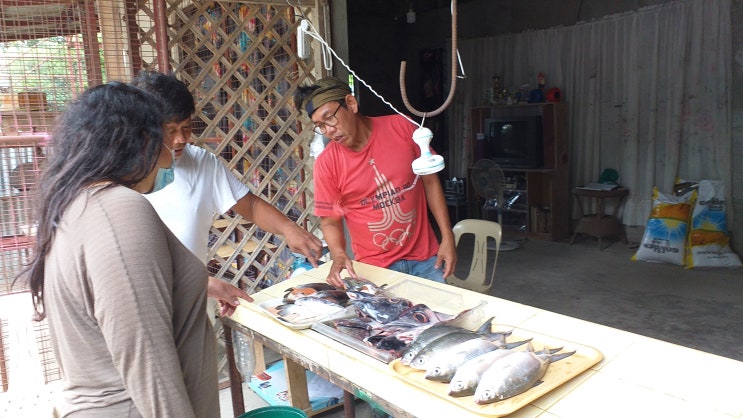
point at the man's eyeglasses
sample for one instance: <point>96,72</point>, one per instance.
<point>331,121</point>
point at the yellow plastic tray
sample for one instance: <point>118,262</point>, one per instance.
<point>557,374</point>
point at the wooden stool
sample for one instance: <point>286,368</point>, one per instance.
<point>600,224</point>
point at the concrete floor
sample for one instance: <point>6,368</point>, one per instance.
<point>697,308</point>
<point>700,309</point>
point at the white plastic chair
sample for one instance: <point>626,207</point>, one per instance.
<point>479,279</point>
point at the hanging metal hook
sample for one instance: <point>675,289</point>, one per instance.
<point>452,88</point>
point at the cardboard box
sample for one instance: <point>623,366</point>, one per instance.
<point>32,100</point>
<point>271,386</point>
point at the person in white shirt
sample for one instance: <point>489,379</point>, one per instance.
<point>202,186</point>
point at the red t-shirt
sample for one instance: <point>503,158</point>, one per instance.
<point>383,203</point>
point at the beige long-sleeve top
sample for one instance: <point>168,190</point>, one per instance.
<point>125,301</point>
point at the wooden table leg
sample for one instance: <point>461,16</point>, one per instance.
<point>580,218</point>
<point>296,380</point>
<point>236,383</point>
<point>349,404</point>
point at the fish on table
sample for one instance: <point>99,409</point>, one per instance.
<point>358,284</point>
<point>422,360</point>
<point>358,328</point>
<point>381,308</point>
<point>306,289</point>
<point>514,374</point>
<point>391,336</point>
<point>306,309</point>
<point>433,332</point>
<point>466,378</point>
<point>443,365</point>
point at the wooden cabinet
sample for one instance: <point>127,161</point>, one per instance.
<point>536,199</point>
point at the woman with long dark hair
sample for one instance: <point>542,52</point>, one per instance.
<point>125,300</point>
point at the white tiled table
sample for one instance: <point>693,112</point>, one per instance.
<point>637,377</point>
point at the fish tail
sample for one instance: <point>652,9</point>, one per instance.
<point>485,327</point>
<point>516,344</point>
<point>560,356</point>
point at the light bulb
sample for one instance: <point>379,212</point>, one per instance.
<point>427,163</point>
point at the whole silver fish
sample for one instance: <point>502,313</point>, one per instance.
<point>432,333</point>
<point>465,380</point>
<point>443,365</point>
<point>422,360</point>
<point>468,375</point>
<point>514,374</point>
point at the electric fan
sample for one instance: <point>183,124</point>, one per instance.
<point>489,182</point>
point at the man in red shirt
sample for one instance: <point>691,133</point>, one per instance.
<point>364,177</point>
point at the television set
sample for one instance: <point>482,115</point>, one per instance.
<point>515,142</point>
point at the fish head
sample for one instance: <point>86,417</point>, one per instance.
<point>293,294</point>
<point>440,372</point>
<point>417,315</point>
<point>420,361</point>
<point>485,394</point>
<point>462,385</point>
<point>359,284</point>
<point>407,357</point>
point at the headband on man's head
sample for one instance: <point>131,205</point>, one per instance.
<point>330,89</point>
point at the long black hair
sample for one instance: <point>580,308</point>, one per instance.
<point>111,133</point>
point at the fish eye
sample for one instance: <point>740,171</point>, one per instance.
<point>420,317</point>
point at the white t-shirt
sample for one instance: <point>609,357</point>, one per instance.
<point>202,187</point>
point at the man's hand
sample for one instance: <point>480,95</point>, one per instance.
<point>340,262</point>
<point>301,241</point>
<point>447,255</point>
<point>226,294</point>
<point>269,219</point>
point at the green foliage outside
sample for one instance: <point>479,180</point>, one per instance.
<point>55,66</point>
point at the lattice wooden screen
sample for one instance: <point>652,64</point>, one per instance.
<point>239,59</point>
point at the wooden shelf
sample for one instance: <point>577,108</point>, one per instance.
<point>224,223</point>
<point>546,190</point>
<point>226,250</point>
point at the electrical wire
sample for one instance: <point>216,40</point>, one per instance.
<point>325,47</point>
<point>328,53</point>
